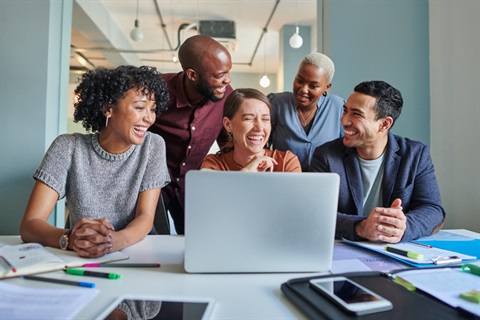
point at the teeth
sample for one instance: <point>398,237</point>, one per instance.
<point>142,129</point>
<point>257,138</point>
<point>351,133</point>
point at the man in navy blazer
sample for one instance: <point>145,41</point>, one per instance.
<point>388,189</point>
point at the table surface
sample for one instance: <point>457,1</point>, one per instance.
<point>237,296</point>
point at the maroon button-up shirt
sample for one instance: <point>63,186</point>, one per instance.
<point>188,133</point>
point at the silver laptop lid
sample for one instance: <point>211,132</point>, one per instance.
<point>259,221</point>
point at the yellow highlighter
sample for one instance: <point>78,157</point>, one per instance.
<point>404,283</point>
<point>472,295</point>
<point>406,253</point>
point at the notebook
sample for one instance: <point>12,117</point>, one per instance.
<point>246,222</point>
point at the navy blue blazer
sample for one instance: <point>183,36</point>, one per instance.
<point>408,175</point>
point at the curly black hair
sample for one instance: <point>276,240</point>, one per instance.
<point>102,88</point>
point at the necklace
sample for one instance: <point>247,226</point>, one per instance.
<point>307,119</point>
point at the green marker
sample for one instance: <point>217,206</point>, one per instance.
<point>78,272</point>
<point>472,268</point>
<point>409,254</point>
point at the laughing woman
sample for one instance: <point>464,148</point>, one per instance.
<point>112,177</point>
<point>307,117</point>
<point>246,120</point>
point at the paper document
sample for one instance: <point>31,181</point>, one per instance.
<point>349,259</point>
<point>445,284</point>
<point>50,304</point>
<point>429,254</point>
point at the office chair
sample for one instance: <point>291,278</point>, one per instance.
<point>161,222</point>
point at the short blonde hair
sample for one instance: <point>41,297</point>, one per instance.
<point>320,60</point>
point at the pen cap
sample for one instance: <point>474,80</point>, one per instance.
<point>472,268</point>
<point>414,255</point>
<point>86,284</point>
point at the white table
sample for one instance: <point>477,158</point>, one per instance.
<point>238,296</point>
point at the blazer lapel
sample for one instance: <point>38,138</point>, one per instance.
<point>354,179</point>
<point>391,163</point>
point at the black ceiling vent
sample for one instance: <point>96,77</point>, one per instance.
<point>217,28</point>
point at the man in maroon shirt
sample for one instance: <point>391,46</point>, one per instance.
<point>193,119</point>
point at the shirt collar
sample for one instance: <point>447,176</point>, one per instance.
<point>182,101</point>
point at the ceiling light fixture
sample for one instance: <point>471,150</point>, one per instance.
<point>296,40</point>
<point>264,81</point>
<point>137,34</point>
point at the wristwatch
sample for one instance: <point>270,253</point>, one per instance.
<point>65,239</point>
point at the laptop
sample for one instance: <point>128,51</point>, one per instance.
<point>255,222</point>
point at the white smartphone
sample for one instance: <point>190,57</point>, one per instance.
<point>351,296</point>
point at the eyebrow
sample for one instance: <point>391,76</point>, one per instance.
<point>253,114</point>
<point>359,110</point>
<point>300,77</point>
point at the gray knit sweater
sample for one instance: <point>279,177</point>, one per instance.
<point>98,184</point>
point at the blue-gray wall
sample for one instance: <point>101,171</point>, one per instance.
<point>292,57</point>
<point>33,86</point>
<point>384,40</point>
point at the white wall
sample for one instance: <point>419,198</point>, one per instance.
<point>455,108</point>
<point>252,80</point>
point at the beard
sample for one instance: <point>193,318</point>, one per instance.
<point>205,90</point>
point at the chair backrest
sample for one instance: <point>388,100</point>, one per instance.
<point>161,222</point>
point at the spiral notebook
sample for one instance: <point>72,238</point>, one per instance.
<point>31,258</point>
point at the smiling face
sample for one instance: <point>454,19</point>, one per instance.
<point>250,127</point>
<point>128,121</point>
<point>361,129</point>
<point>309,85</point>
<point>215,76</point>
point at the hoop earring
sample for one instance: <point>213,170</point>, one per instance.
<point>325,93</point>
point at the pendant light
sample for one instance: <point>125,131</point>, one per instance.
<point>264,81</point>
<point>137,34</point>
<point>296,40</point>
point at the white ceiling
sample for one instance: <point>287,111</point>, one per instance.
<point>101,30</point>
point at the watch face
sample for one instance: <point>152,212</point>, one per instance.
<point>64,242</point>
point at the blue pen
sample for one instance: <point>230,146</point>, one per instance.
<point>60,281</point>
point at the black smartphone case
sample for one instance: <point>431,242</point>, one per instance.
<point>406,304</point>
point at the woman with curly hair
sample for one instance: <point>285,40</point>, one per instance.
<point>111,177</point>
<point>246,120</point>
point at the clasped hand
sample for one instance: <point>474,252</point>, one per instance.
<point>92,238</point>
<point>260,164</point>
<point>384,224</point>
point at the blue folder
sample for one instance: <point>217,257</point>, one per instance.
<point>470,247</point>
